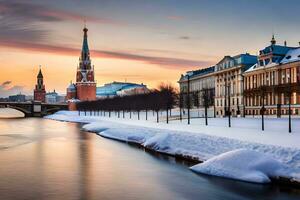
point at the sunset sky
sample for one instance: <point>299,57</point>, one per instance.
<point>143,41</point>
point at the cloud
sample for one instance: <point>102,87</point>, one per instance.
<point>23,20</point>
<point>184,37</point>
<point>31,12</point>
<point>165,62</point>
<point>7,89</point>
<point>21,28</point>
<point>14,30</point>
<point>5,83</point>
<point>175,17</point>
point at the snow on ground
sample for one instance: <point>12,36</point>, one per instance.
<point>243,164</point>
<point>199,141</point>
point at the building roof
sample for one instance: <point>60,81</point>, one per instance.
<point>72,87</point>
<point>239,59</point>
<point>197,73</point>
<point>257,67</point>
<point>52,93</point>
<point>111,89</point>
<point>292,55</point>
<point>245,60</point>
<point>275,49</point>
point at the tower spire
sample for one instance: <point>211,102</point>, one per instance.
<point>85,47</point>
<point>85,71</point>
<point>40,74</point>
<point>273,41</point>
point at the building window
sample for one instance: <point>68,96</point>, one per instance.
<point>288,57</point>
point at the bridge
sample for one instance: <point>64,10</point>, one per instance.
<point>34,108</point>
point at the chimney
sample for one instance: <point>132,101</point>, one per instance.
<point>285,43</point>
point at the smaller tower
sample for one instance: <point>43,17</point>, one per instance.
<point>71,91</point>
<point>39,91</point>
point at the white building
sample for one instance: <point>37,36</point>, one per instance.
<point>54,97</point>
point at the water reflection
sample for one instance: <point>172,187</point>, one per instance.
<point>10,113</point>
<point>85,153</point>
<point>59,161</point>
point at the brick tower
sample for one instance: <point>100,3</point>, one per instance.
<point>39,91</point>
<point>85,83</point>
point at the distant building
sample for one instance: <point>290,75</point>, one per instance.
<point>39,91</point>
<point>272,81</point>
<point>202,82</point>
<point>51,97</point>
<point>29,98</point>
<point>4,99</point>
<point>120,89</point>
<point>229,83</point>
<point>54,97</point>
<point>17,98</point>
<point>85,87</point>
<point>61,98</point>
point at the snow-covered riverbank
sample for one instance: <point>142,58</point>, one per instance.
<point>203,143</point>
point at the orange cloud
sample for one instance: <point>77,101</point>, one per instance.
<point>165,62</point>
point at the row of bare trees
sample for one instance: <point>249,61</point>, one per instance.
<point>164,98</point>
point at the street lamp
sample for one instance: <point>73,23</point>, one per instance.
<point>290,99</point>
<point>229,111</point>
<point>205,98</point>
<point>262,111</point>
<point>188,97</point>
<point>180,105</point>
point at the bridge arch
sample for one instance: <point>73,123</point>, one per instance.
<point>34,109</point>
<point>22,110</point>
<point>52,110</point>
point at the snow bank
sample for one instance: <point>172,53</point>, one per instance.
<point>243,164</point>
<point>199,146</point>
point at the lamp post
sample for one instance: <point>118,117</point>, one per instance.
<point>290,98</point>
<point>263,108</point>
<point>229,111</point>
<point>180,105</point>
<point>206,104</point>
<point>188,98</point>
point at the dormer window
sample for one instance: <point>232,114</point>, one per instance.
<point>261,62</point>
<point>267,61</point>
<point>288,57</point>
<point>298,56</point>
<point>274,59</point>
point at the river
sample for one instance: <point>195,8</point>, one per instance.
<point>44,159</point>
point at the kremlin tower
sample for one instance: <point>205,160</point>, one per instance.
<point>39,91</point>
<point>85,87</point>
